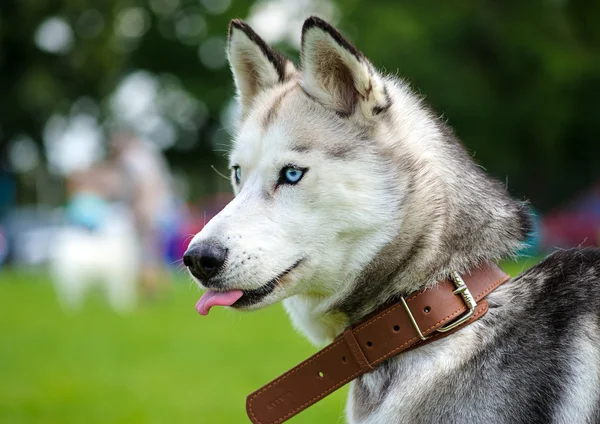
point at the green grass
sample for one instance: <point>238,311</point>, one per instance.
<point>161,364</point>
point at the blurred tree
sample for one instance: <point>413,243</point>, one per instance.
<point>53,54</point>
<point>518,81</point>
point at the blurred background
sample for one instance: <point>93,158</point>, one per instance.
<point>115,120</point>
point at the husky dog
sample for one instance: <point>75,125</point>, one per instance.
<point>350,193</point>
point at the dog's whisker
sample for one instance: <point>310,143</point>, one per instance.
<point>219,173</point>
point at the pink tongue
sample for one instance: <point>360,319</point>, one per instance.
<point>211,298</point>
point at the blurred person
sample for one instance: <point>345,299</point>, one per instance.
<point>98,244</point>
<point>148,192</point>
<point>89,193</point>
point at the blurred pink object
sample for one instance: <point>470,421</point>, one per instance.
<point>577,224</point>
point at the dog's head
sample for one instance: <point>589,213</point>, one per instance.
<point>316,196</point>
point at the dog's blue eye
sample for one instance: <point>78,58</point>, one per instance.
<point>238,174</point>
<point>291,175</point>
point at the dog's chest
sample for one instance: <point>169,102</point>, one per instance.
<point>396,391</point>
<point>469,377</point>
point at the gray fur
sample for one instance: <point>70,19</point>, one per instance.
<point>478,222</point>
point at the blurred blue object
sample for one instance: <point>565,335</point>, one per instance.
<point>87,210</point>
<point>29,232</point>
<point>8,193</point>
<point>534,238</point>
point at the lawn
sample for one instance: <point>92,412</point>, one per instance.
<point>161,364</point>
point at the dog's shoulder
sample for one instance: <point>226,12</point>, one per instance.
<point>580,264</point>
<point>567,280</point>
<point>571,260</point>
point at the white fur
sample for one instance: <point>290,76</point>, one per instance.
<point>584,378</point>
<point>278,227</point>
<point>339,216</point>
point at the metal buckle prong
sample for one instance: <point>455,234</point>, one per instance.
<point>467,297</point>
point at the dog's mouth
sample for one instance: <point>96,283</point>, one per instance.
<point>240,298</point>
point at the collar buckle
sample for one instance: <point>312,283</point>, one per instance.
<point>462,290</point>
<point>467,297</point>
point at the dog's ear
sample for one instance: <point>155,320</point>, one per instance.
<point>337,74</point>
<point>255,65</point>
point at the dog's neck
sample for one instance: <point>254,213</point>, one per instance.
<point>454,224</point>
<point>455,218</point>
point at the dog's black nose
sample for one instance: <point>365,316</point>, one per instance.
<point>205,259</point>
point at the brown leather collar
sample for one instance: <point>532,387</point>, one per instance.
<point>413,321</point>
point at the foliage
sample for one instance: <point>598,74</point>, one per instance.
<point>518,81</point>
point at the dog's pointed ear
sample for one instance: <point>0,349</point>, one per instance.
<point>337,74</point>
<point>255,65</point>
